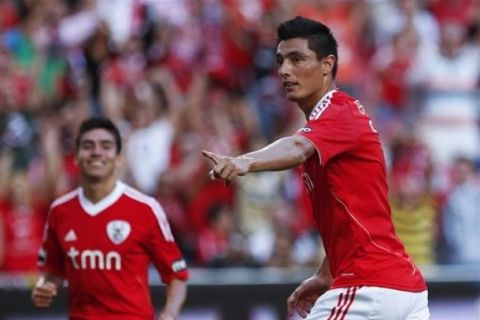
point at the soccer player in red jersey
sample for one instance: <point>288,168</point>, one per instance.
<point>366,273</point>
<point>102,236</point>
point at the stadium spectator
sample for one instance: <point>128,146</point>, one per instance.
<point>102,236</point>
<point>449,104</point>
<point>21,221</point>
<point>414,206</point>
<point>63,61</point>
<point>220,244</point>
<point>388,89</point>
<point>461,215</point>
<point>402,14</point>
<point>344,171</point>
<point>414,217</point>
<point>154,113</point>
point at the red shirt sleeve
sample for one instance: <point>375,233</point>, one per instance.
<point>50,257</point>
<point>333,133</point>
<point>163,250</point>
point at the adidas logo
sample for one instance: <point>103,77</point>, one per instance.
<point>70,236</point>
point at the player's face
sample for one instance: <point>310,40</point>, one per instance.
<point>302,74</point>
<point>97,155</point>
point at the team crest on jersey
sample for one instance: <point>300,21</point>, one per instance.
<point>118,230</point>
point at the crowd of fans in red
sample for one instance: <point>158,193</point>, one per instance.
<point>181,76</point>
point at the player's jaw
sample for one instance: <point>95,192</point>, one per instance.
<point>302,92</point>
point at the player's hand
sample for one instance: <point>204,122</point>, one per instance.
<point>305,295</point>
<point>43,294</point>
<point>226,168</point>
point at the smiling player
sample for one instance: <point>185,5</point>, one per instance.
<point>102,236</point>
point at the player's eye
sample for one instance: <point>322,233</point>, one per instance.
<point>297,59</point>
<point>87,145</point>
<point>107,145</point>
<point>279,60</point>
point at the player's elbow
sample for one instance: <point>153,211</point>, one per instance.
<point>303,149</point>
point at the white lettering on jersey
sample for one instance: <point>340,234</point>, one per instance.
<point>113,256</point>
<point>118,230</point>
<point>305,129</point>
<point>95,259</point>
<point>308,181</point>
<point>73,253</point>
<point>360,107</point>
<point>70,236</point>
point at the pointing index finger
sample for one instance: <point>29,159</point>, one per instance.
<point>210,155</point>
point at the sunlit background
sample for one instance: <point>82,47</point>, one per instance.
<point>179,76</point>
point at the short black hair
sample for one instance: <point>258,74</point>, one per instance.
<point>320,38</point>
<point>99,123</point>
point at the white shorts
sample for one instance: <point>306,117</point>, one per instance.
<point>375,303</point>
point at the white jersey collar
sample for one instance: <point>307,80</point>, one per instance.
<point>95,208</point>
<point>321,105</point>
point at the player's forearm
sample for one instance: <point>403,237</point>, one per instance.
<point>324,271</point>
<point>176,294</point>
<point>282,154</point>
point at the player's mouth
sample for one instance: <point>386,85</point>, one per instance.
<point>290,85</point>
<point>95,164</point>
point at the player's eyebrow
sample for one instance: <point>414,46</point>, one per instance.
<point>102,142</point>
<point>106,141</point>
<point>291,54</point>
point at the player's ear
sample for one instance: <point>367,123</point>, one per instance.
<point>328,63</point>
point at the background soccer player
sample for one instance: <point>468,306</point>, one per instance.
<point>102,236</point>
<point>366,273</point>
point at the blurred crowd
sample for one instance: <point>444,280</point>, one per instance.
<point>179,76</point>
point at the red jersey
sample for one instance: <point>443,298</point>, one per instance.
<point>346,180</point>
<point>22,236</point>
<point>104,250</point>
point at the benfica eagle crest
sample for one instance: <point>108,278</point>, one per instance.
<point>118,230</point>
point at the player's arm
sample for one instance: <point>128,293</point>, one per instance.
<point>305,295</point>
<point>282,154</point>
<point>176,294</point>
<point>324,273</point>
<point>45,289</point>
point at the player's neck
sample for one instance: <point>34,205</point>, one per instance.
<point>308,104</point>
<point>97,190</point>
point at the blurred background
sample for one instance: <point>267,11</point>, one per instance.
<point>179,76</point>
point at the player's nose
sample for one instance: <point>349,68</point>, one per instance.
<point>285,70</point>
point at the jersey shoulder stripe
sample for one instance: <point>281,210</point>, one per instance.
<point>156,209</point>
<point>65,198</point>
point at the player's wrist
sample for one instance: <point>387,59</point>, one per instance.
<point>167,315</point>
<point>247,164</point>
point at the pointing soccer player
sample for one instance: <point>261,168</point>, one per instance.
<point>366,273</point>
<point>102,237</point>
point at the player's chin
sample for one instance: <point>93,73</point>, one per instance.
<point>292,96</point>
<point>94,175</point>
